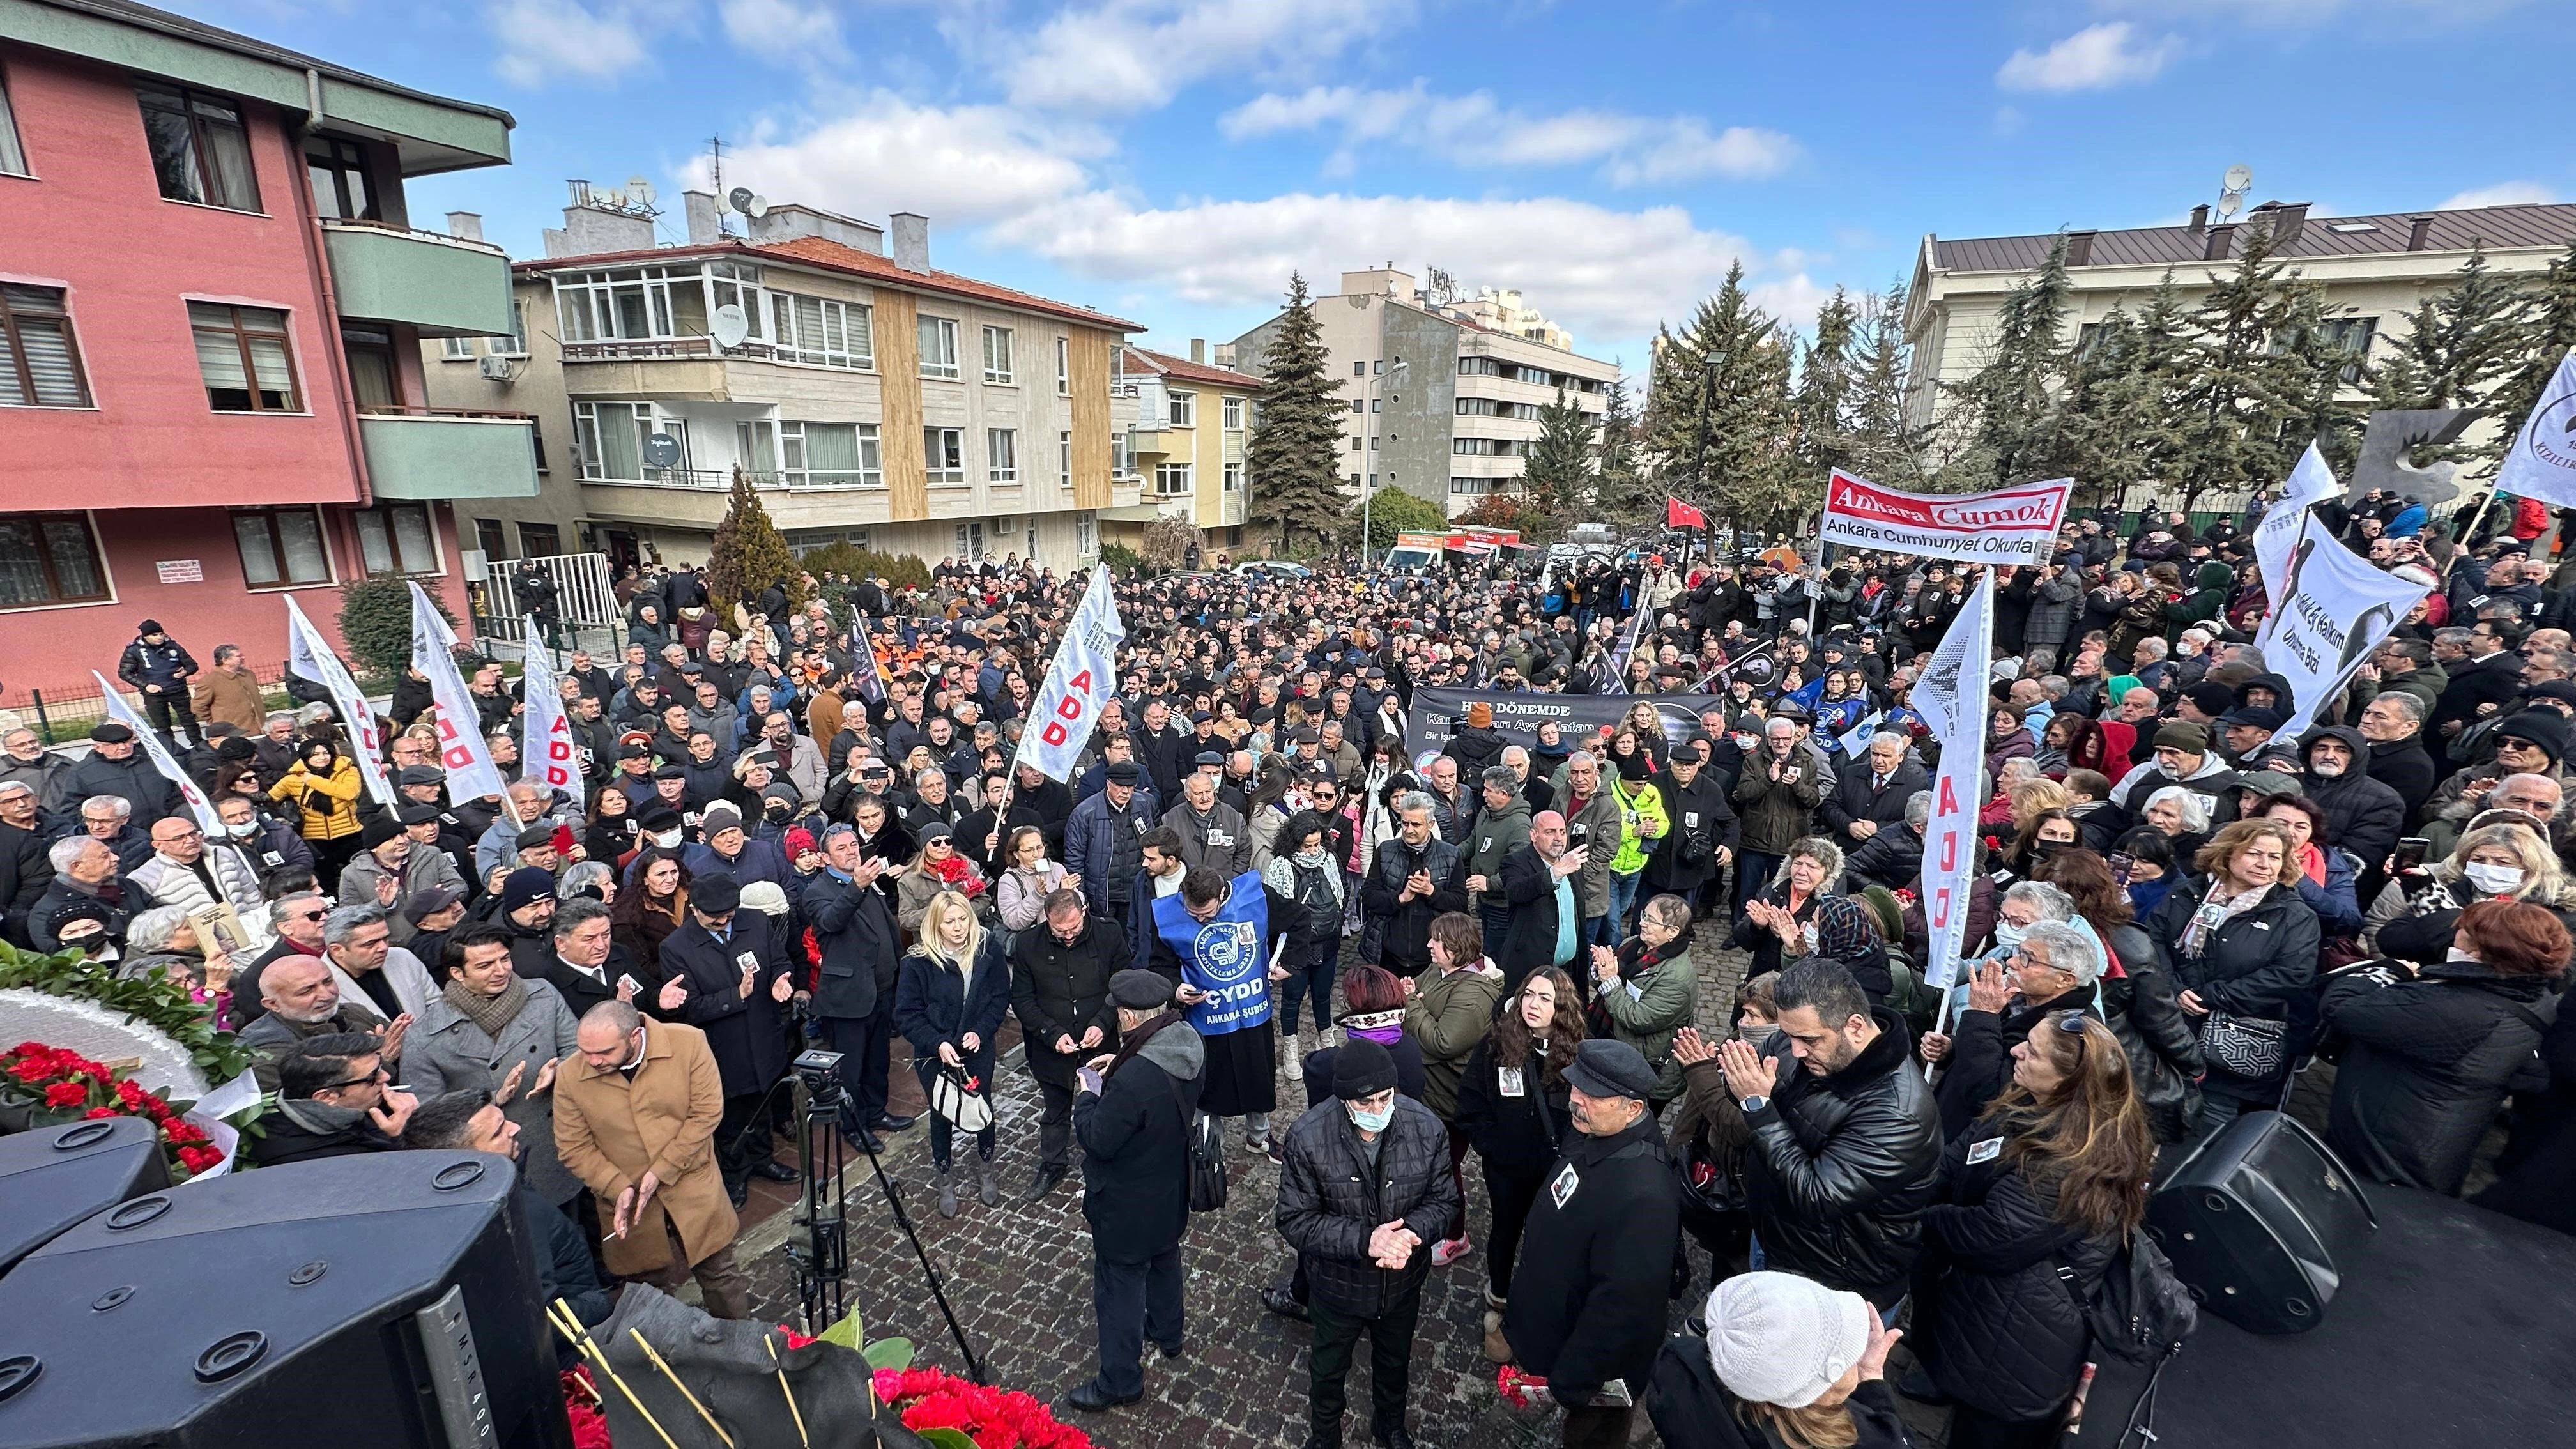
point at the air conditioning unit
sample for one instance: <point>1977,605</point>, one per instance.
<point>1002,524</point>
<point>494,369</point>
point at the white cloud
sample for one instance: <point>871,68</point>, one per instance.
<point>2503,193</point>
<point>2096,58</point>
<point>968,163</point>
<point>783,28</point>
<point>1128,55</point>
<point>1476,130</point>
<point>547,40</point>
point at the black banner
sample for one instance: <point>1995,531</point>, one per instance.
<point>1437,713</point>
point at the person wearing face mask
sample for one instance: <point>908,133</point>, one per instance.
<point>2052,968</point>
<point>1363,1190</point>
<point>2501,858</point>
<point>273,850</point>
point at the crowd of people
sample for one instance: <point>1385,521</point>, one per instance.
<point>1266,890</point>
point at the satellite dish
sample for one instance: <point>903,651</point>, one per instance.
<point>740,199</point>
<point>617,196</point>
<point>2228,202</point>
<point>640,189</point>
<point>2239,177</point>
<point>661,450</point>
<point>756,208</point>
<point>730,326</point>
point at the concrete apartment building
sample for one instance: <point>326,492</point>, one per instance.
<point>2375,269</point>
<point>1184,444</point>
<point>1457,420</point>
<point>211,306</point>
<point>871,398</point>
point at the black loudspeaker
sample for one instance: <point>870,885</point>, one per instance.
<point>53,1177</point>
<point>385,1299</point>
<point>2262,1224</point>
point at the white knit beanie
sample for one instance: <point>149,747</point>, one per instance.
<point>1777,1338</point>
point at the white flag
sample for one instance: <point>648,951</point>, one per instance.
<point>1083,677</point>
<point>471,775</point>
<point>309,656</point>
<point>1951,697</point>
<point>2277,535</point>
<point>548,753</point>
<point>2542,463</point>
<point>2335,608</point>
<point>159,754</point>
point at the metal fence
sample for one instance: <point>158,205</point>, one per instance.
<point>63,710</point>
<point>585,591</point>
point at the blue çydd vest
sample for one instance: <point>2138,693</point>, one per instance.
<point>1224,956</point>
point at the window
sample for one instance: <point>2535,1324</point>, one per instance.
<point>516,345</point>
<point>48,558</point>
<point>39,361</point>
<point>970,540</point>
<point>281,547</point>
<point>1471,485</point>
<point>1122,455</point>
<point>539,540</point>
<point>537,442</point>
<point>1234,415</point>
<point>13,157</point>
<point>1064,367</point>
<point>370,354</point>
<point>396,538</point>
<point>610,438</point>
<point>1356,443</point>
<point>1479,367</point>
<point>2350,336</point>
<point>1489,447</point>
<point>755,446</point>
<point>943,453</point>
<point>829,455</point>
<point>997,354</point>
<point>1171,478</point>
<point>1086,533</point>
<point>1001,455</point>
<point>338,170</point>
<point>488,535</point>
<point>242,354</point>
<point>200,152</point>
<point>654,302</point>
<point>938,347</point>
<point>456,349</point>
<point>1359,405</point>
<point>821,331</point>
<point>1182,408</point>
<point>1234,477</point>
<point>1064,459</point>
<point>1360,368</point>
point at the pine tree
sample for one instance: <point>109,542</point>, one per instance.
<point>1882,447</point>
<point>2464,346</point>
<point>1558,477</point>
<point>2245,409</point>
<point>1626,497</point>
<point>2013,395</point>
<point>1746,469</point>
<point>749,555</point>
<point>2546,340</point>
<point>1292,463</point>
<point>2115,429</point>
<point>1826,391</point>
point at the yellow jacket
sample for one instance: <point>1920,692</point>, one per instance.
<point>329,803</point>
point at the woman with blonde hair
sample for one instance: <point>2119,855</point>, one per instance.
<point>2242,946</point>
<point>948,1002</point>
<point>2418,910</point>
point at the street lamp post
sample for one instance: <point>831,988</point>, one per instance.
<point>1708,370</point>
<point>1368,458</point>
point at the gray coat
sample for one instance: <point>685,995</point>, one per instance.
<point>446,1052</point>
<point>424,867</point>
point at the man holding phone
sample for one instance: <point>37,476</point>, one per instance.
<point>1592,824</point>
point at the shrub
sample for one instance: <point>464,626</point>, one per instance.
<point>845,558</point>
<point>375,620</point>
<point>1121,558</point>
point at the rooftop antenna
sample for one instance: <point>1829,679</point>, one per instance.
<point>715,150</point>
<point>2231,197</point>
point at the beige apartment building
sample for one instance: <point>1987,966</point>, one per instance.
<point>2374,269</point>
<point>871,398</point>
<point>1442,404</point>
<point>1184,423</point>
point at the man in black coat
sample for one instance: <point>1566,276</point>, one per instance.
<point>1546,927</point>
<point>1587,1308</point>
<point>1893,857</point>
<point>1060,975</point>
<point>1870,794</point>
<point>25,872</point>
<point>2393,724</point>
<point>1846,1146</point>
<point>735,986</point>
<point>1133,1115</point>
<point>2486,673</point>
<point>1703,829</point>
<point>116,766</point>
<point>588,965</point>
<point>332,1101</point>
<point>2363,816</point>
<point>862,956</point>
<point>1364,1190</point>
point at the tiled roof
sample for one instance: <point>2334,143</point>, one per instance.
<point>1188,371</point>
<point>833,256</point>
<point>2494,228</point>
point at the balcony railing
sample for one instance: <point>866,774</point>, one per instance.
<point>720,480</point>
<point>450,453</point>
<point>651,349</point>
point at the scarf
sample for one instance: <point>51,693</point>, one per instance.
<point>349,1017</point>
<point>1171,1016</point>
<point>1385,1028</point>
<point>491,1015</point>
<point>2216,911</point>
<point>2313,861</point>
<point>323,1119</point>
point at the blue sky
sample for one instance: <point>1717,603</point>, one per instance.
<point>1172,160</point>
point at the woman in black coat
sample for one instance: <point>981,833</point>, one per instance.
<point>2165,1063</point>
<point>948,1002</point>
<point>2053,970</point>
<point>2055,1175</point>
<point>1515,1108</point>
<point>2430,1051</point>
<point>2236,938</point>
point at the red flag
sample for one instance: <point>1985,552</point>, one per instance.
<point>1678,514</point>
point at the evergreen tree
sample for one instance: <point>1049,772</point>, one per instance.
<point>1558,477</point>
<point>1827,390</point>
<point>1292,463</point>
<point>2246,407</point>
<point>1733,354</point>
<point>2464,345</point>
<point>1882,448</point>
<point>1624,495</point>
<point>2547,337</point>
<point>749,555</point>
<point>2012,397</point>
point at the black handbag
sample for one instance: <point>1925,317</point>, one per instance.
<point>1206,1156</point>
<point>2252,1047</point>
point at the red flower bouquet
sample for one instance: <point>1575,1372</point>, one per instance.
<point>66,1086</point>
<point>991,1418</point>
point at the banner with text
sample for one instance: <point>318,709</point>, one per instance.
<point>159,754</point>
<point>1083,677</point>
<point>2542,463</point>
<point>471,775</point>
<point>547,751</point>
<point>2008,526</point>
<point>2334,610</point>
<point>1437,713</point>
<point>1951,696</point>
<point>2277,536</point>
<point>309,656</point>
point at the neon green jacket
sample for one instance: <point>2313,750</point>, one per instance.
<point>1640,805</point>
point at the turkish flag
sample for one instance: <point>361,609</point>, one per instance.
<point>1678,514</point>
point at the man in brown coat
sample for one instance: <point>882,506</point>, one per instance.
<point>230,692</point>
<point>635,1118</point>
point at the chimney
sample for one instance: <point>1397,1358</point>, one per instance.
<point>706,216</point>
<point>2219,237</point>
<point>2419,233</point>
<point>2288,219</point>
<point>1198,350</point>
<point>590,229</point>
<point>466,224</point>
<point>558,242</point>
<point>2199,219</point>
<point>788,220</point>
<point>911,241</point>
<point>2079,248</point>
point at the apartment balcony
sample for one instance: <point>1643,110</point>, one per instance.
<point>423,454</point>
<point>445,286</point>
<point>689,369</point>
<point>1154,442</point>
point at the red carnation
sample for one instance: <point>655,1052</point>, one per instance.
<point>96,1112</point>
<point>66,1094</point>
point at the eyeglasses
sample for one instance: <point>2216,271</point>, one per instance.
<point>378,1075</point>
<point>308,915</point>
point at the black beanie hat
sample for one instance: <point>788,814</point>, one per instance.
<point>380,830</point>
<point>1362,1068</point>
<point>2542,727</point>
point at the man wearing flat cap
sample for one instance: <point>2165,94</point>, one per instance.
<point>1131,1112</point>
<point>1587,1305</point>
<point>736,988</point>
